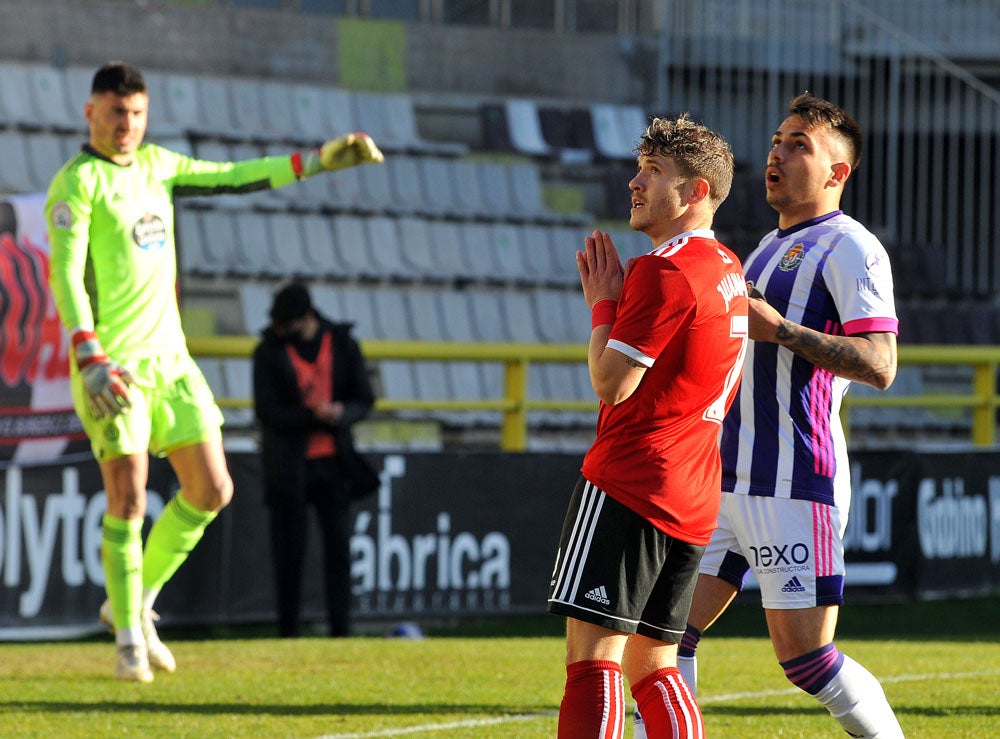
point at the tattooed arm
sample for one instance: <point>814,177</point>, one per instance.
<point>869,358</point>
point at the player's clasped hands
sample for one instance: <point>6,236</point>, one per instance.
<point>601,270</point>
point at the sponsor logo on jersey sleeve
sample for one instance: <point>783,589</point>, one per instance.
<point>61,216</point>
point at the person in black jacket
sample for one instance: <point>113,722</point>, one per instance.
<point>310,385</point>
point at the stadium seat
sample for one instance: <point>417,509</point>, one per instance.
<point>377,188</point>
<point>318,247</point>
<point>279,112</point>
<point>328,300</point>
<point>564,243</point>
<point>16,97</point>
<point>610,138</point>
<point>398,382</point>
<point>51,99</point>
<point>539,255</point>
<point>308,113</point>
<point>404,176</point>
<point>495,129</point>
<point>219,240</point>
<point>255,304</point>
<point>254,246</point>
<point>47,153</point>
<point>215,108</point>
<point>401,128</point>
<point>385,248</point>
<point>519,313</point>
<point>159,125</point>
<point>456,314</point>
<point>355,258</point>
<point>392,317</point>
<point>477,246</point>
<point>435,182</point>
<point>560,132</point>
<point>424,307</point>
<point>507,252</point>
<point>16,174</point>
<point>496,191</point>
<point>467,190</point>
<point>445,239</point>
<point>526,192</point>
<point>246,105</point>
<point>191,256</point>
<point>562,315</point>
<point>634,123</point>
<point>370,116</point>
<point>358,309</point>
<point>488,319</point>
<point>418,252</point>
<point>524,128</point>
<point>181,104</point>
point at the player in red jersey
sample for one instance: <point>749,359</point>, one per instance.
<point>669,333</point>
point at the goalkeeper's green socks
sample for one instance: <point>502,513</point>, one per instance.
<point>175,533</point>
<point>121,553</point>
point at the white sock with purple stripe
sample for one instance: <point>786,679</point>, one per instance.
<point>849,692</point>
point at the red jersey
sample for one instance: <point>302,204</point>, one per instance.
<point>683,314</point>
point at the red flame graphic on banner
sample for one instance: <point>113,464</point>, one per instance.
<point>31,336</point>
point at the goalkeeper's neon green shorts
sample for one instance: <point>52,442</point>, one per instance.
<point>172,407</point>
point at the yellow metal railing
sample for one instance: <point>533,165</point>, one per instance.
<point>982,399</point>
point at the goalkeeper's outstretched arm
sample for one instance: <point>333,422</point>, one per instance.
<point>339,153</point>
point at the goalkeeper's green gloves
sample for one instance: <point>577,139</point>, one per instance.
<point>339,153</point>
<point>106,381</point>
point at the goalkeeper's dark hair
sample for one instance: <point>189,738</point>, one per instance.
<point>816,111</point>
<point>697,150</point>
<point>118,77</point>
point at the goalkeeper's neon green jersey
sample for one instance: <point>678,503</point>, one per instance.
<point>113,261</point>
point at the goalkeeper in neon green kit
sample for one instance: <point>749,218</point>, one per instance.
<point>135,387</point>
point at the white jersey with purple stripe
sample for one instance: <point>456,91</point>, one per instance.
<point>782,436</point>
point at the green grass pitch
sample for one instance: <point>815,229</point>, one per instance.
<point>939,663</point>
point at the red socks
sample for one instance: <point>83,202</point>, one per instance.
<point>668,707</point>
<point>593,704</point>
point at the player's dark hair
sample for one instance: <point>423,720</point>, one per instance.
<point>118,77</point>
<point>816,111</point>
<point>697,151</point>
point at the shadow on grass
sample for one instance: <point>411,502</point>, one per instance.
<point>926,711</point>
<point>222,709</point>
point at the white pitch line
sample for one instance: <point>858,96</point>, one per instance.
<point>420,729</point>
<point>499,720</point>
<point>890,679</point>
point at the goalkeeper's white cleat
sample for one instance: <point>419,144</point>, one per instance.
<point>133,664</point>
<point>160,657</point>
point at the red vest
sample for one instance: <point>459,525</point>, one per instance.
<point>316,384</point>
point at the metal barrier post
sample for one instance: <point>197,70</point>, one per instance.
<point>514,433</point>
<point>984,413</point>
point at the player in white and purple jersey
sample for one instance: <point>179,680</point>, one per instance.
<point>823,317</point>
